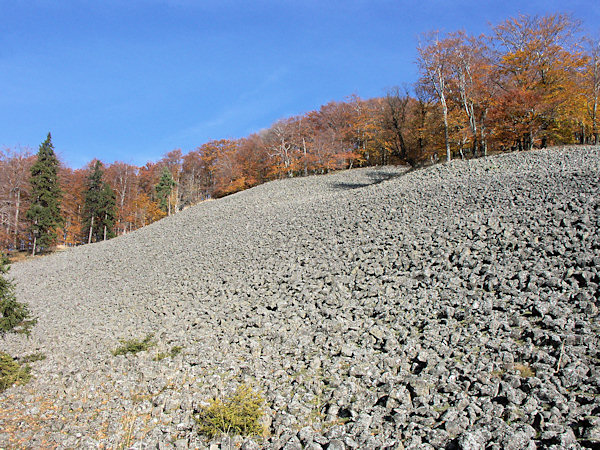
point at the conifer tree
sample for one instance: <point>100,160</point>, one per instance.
<point>44,213</point>
<point>108,212</point>
<point>99,211</point>
<point>14,316</point>
<point>163,190</point>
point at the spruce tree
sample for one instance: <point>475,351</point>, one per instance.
<point>14,316</point>
<point>108,211</point>
<point>163,190</point>
<point>44,212</point>
<point>99,211</point>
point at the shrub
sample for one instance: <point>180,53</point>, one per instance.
<point>11,372</point>
<point>134,345</point>
<point>238,414</point>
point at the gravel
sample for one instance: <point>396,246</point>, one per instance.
<point>454,306</point>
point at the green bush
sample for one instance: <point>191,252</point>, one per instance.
<point>134,345</point>
<point>11,372</point>
<point>238,414</point>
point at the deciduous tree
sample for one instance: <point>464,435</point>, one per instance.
<point>539,60</point>
<point>434,61</point>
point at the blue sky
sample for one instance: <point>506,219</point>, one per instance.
<point>131,80</point>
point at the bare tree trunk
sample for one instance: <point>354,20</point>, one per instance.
<point>176,204</point>
<point>594,119</point>
<point>305,161</point>
<point>482,131</point>
<point>17,208</point>
<point>91,228</point>
<point>34,244</point>
<point>446,134</point>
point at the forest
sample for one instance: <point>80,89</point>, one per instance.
<point>530,82</point>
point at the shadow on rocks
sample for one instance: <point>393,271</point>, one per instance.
<point>374,177</point>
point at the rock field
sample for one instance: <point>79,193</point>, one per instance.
<point>454,306</point>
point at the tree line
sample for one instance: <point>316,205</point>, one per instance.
<point>532,81</point>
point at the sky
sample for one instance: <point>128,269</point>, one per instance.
<point>130,80</point>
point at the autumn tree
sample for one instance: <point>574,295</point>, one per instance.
<point>15,169</point>
<point>538,61</point>
<point>123,179</point>
<point>283,151</point>
<point>362,128</point>
<point>471,84</point>
<point>423,123</point>
<point>44,212</point>
<point>99,208</point>
<point>591,89</point>
<point>145,211</point>
<point>72,185</point>
<point>233,167</point>
<point>395,120</point>
<point>434,62</point>
<point>192,176</point>
<point>337,142</point>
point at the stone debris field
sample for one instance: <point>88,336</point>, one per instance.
<point>449,307</point>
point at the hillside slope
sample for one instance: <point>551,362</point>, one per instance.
<point>454,306</point>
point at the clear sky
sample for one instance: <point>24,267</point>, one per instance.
<point>130,80</point>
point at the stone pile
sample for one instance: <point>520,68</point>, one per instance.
<point>454,306</point>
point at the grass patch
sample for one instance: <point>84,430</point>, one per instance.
<point>498,373</point>
<point>238,414</point>
<point>175,350</point>
<point>524,370</point>
<point>11,372</point>
<point>134,345</point>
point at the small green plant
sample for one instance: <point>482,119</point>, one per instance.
<point>238,414</point>
<point>175,350</point>
<point>134,345</point>
<point>11,372</point>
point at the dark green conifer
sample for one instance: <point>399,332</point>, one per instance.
<point>163,190</point>
<point>14,316</point>
<point>44,213</point>
<point>99,212</point>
